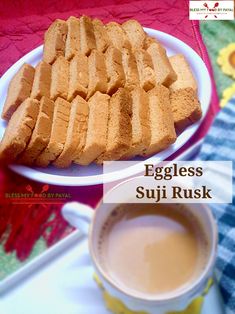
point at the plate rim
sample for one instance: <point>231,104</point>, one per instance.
<point>60,180</point>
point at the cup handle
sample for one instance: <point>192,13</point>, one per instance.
<point>78,215</point>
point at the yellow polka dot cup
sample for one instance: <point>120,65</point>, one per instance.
<point>90,222</point>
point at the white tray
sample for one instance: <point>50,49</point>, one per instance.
<point>60,281</point>
<point>92,174</point>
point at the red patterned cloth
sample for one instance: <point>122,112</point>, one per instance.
<point>22,26</point>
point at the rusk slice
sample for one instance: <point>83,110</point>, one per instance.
<point>19,130</point>
<point>78,76</point>
<point>117,36</point>
<point>186,107</point>
<point>82,130</point>
<point>145,69</point>
<point>149,41</point>
<point>87,35</point>
<point>41,133</point>
<point>97,73</point>
<point>164,72</point>
<point>101,36</point>
<point>60,78</point>
<point>54,41</point>
<point>185,76</point>
<point>184,101</point>
<point>140,122</point>
<point>130,69</point>
<point>119,126</point>
<point>135,33</point>
<point>72,45</point>
<point>42,81</point>
<point>161,120</point>
<point>115,72</point>
<point>59,128</point>
<point>19,89</point>
<point>96,138</point>
<point>76,128</point>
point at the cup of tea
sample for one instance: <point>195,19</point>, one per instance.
<point>155,258</point>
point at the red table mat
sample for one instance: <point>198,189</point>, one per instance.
<point>22,26</point>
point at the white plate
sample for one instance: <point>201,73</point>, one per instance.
<point>92,174</point>
<point>61,281</point>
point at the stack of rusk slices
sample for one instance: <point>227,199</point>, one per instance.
<point>101,92</point>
